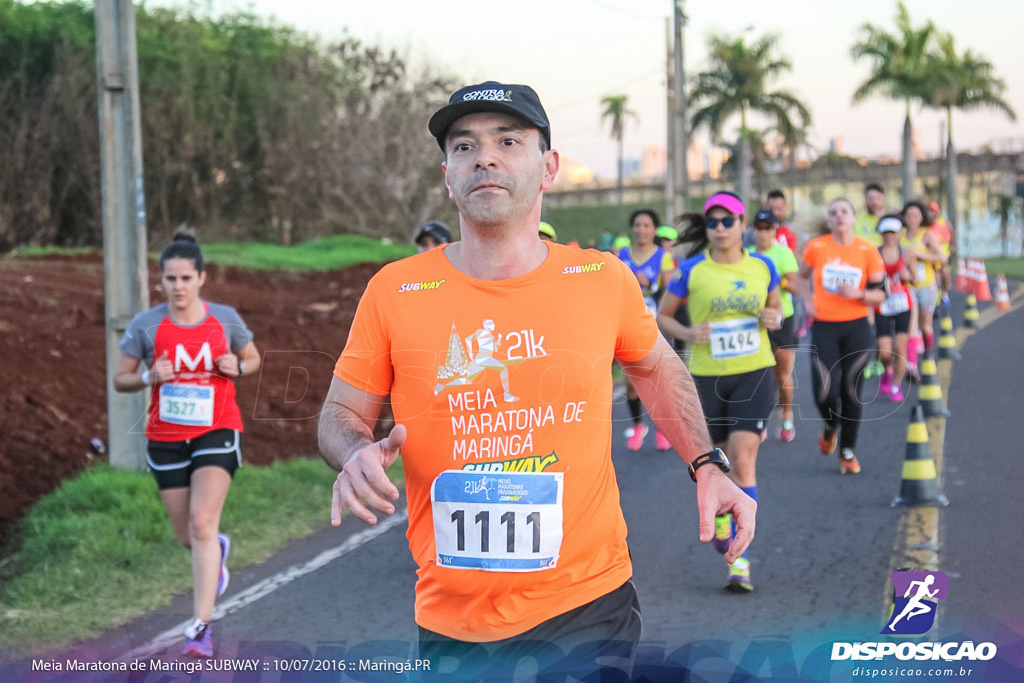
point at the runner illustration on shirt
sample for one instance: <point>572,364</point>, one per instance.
<point>461,371</point>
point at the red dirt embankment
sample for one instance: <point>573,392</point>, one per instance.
<point>53,391</point>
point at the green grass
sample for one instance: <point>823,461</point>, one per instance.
<point>50,251</point>
<point>1013,268</point>
<point>99,551</point>
<point>585,223</point>
<point>327,253</point>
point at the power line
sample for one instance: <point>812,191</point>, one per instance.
<point>591,99</point>
<point>622,10</point>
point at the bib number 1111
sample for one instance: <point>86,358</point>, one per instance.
<point>497,521</point>
<point>508,520</point>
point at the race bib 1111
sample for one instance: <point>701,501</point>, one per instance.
<point>500,522</point>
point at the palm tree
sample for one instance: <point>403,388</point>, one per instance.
<point>899,72</point>
<point>616,110</point>
<point>736,82</point>
<point>963,82</point>
<point>757,157</point>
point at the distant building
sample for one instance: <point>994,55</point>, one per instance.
<point>716,158</point>
<point>696,161</point>
<point>572,173</point>
<point>630,167</point>
<point>654,161</point>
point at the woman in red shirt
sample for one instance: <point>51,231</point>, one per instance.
<point>188,352</point>
<point>892,319</point>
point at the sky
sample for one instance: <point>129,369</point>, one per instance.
<point>574,52</point>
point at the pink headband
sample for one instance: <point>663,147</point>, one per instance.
<point>726,201</point>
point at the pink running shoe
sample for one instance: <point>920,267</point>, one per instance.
<point>885,384</point>
<point>787,431</point>
<point>896,394</point>
<point>661,442</point>
<point>636,441</point>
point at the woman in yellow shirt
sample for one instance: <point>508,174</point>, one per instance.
<point>732,296</point>
<point>928,253</point>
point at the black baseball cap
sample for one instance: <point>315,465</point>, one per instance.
<point>765,216</point>
<point>517,100</point>
<point>437,230</point>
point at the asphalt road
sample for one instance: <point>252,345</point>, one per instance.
<point>820,563</point>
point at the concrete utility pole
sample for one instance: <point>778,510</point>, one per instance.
<point>124,215</point>
<point>670,129</point>
<point>681,201</point>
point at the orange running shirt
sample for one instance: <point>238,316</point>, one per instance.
<point>506,390</point>
<point>835,264</point>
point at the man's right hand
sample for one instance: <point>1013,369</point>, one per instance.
<point>718,495</point>
<point>363,481</point>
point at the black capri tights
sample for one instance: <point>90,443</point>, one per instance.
<point>839,353</point>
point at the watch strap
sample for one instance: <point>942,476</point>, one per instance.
<point>712,457</point>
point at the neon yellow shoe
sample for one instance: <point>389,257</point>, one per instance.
<point>739,577</point>
<point>723,533</point>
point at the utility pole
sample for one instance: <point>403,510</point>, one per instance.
<point>126,281</point>
<point>670,127</point>
<point>681,200</point>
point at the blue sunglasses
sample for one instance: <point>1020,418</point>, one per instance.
<point>712,223</point>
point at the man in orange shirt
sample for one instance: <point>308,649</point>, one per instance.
<point>942,231</point>
<point>503,408</point>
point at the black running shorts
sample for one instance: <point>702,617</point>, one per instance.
<point>734,403</point>
<point>602,634</point>
<point>784,337</point>
<point>172,462</point>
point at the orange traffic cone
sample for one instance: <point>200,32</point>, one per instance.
<point>982,290</point>
<point>1002,293</point>
<point>963,283</point>
<point>920,485</point>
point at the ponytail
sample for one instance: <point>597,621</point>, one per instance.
<point>695,233</point>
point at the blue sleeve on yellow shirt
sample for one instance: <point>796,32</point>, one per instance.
<point>680,284</point>
<point>773,272</point>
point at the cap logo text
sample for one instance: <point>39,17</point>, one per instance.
<point>491,95</point>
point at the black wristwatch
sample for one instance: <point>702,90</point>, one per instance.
<point>715,457</point>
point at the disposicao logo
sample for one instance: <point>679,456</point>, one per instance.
<point>915,601</point>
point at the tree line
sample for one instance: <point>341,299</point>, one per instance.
<point>249,130</point>
<point>917,64</point>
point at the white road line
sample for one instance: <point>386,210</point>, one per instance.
<point>267,586</point>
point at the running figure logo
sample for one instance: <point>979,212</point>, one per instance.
<point>914,613</point>
<point>459,370</point>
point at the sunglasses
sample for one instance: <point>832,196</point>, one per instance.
<point>727,222</point>
<point>764,226</point>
